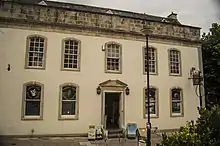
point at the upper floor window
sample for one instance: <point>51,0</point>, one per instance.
<point>113,58</point>
<point>69,101</point>
<point>71,54</point>
<point>176,102</point>
<point>153,102</point>
<point>152,60</point>
<point>32,101</point>
<point>35,53</point>
<point>174,62</point>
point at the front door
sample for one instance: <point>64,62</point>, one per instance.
<point>112,108</point>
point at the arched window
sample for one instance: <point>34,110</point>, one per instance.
<point>32,101</point>
<point>69,101</point>
<point>71,54</point>
<point>176,102</point>
<point>35,53</point>
<point>152,60</point>
<point>113,57</point>
<point>174,62</point>
<point>153,102</point>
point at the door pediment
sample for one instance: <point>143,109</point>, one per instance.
<point>113,83</point>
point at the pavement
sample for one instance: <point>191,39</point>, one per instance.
<point>65,141</point>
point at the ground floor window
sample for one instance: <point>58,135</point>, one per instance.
<point>153,102</point>
<point>69,101</point>
<point>176,102</point>
<point>32,101</point>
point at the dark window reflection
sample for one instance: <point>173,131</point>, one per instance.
<point>68,108</point>
<point>32,108</point>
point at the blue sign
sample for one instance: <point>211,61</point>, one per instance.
<point>131,130</point>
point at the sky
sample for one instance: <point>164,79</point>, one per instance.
<point>200,13</point>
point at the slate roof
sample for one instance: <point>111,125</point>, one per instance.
<point>86,8</point>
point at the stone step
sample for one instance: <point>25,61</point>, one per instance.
<point>116,135</point>
<point>113,131</point>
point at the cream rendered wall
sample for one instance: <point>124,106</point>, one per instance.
<point>13,49</point>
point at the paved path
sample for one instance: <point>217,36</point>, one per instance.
<point>68,141</point>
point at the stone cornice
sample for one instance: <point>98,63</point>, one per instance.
<point>44,15</point>
<point>95,32</point>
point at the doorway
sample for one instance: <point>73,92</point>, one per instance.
<point>112,110</point>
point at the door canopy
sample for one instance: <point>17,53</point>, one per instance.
<point>113,85</point>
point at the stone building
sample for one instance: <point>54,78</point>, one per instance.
<point>66,66</point>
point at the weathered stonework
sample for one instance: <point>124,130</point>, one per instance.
<point>17,13</point>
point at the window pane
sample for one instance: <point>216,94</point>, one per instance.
<point>113,64</point>
<point>30,63</point>
<point>71,52</point>
<point>76,43</point>
<point>70,66</point>
<point>70,47</point>
<point>113,57</point>
<point>68,107</point>
<point>41,49</point>
<point>75,56</point>
<point>152,101</point>
<point>65,60</point>
<point>152,93</point>
<point>71,61</point>
<point>33,92</point>
<point>32,108</point>
<point>152,60</point>
<point>66,50</point>
<point>174,61</point>
<point>66,56</point>
<point>75,61</point>
<point>70,42</point>
<point>176,107</point>
<point>69,93</point>
<point>152,108</point>
<point>74,65</point>
<point>41,44</point>
<point>36,51</point>
<point>176,95</point>
<point>65,65</point>
<point>31,48</point>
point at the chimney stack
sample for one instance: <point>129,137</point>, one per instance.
<point>172,16</point>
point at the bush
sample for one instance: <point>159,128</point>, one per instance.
<point>206,131</point>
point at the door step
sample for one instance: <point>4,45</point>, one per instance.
<point>115,133</point>
<point>116,136</point>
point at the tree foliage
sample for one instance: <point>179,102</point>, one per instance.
<point>204,132</point>
<point>211,63</point>
<point>186,136</point>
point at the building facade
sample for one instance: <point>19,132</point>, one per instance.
<point>65,66</point>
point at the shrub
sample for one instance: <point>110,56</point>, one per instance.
<point>206,131</point>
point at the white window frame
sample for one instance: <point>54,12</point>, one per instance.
<point>181,114</point>
<point>69,117</point>
<point>150,61</point>
<point>63,68</point>
<point>120,58</point>
<point>27,56</point>
<point>171,63</point>
<point>156,115</point>
<point>26,117</point>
